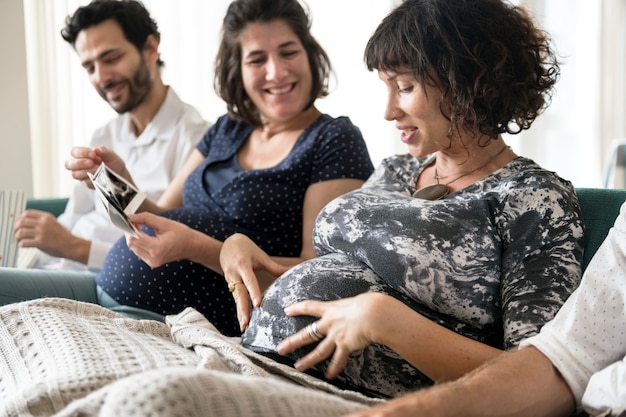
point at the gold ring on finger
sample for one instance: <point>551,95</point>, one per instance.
<point>232,285</point>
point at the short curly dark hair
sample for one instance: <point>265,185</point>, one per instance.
<point>228,82</point>
<point>495,68</point>
<point>131,15</point>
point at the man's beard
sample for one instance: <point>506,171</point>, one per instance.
<point>138,89</point>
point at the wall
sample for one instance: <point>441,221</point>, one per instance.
<point>15,165</point>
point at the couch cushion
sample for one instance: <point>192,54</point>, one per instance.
<point>600,208</point>
<point>55,206</point>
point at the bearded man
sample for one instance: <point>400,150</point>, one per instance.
<point>117,43</point>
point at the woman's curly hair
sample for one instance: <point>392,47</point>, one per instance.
<point>495,68</point>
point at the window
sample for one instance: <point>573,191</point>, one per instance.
<point>574,135</point>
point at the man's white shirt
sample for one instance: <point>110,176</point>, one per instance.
<point>153,158</point>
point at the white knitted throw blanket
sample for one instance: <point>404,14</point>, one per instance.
<point>65,358</point>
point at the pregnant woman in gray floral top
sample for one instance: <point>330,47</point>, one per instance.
<point>448,255</point>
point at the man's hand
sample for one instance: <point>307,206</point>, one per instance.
<point>87,160</point>
<point>40,229</point>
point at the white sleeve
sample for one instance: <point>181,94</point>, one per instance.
<point>606,392</point>
<point>81,202</point>
<point>97,254</point>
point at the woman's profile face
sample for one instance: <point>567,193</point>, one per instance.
<point>275,70</point>
<point>416,111</point>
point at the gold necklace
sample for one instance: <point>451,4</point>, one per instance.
<point>438,191</point>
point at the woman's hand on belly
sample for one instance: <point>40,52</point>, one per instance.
<point>345,325</point>
<point>350,324</point>
<point>248,271</point>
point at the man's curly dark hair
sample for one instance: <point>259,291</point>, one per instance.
<point>131,15</point>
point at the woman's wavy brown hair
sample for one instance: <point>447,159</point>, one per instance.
<point>228,82</point>
<point>495,68</point>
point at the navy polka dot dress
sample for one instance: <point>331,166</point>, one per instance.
<point>266,205</point>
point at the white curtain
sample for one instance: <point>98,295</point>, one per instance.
<point>61,111</point>
<point>571,137</point>
<point>613,72</point>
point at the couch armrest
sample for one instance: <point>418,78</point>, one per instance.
<point>27,284</point>
<point>55,206</point>
<point>600,207</point>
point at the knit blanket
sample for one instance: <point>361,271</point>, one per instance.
<point>66,358</point>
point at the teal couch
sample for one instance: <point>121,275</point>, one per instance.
<point>55,206</point>
<point>600,208</point>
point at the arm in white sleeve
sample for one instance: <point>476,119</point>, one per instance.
<point>81,202</point>
<point>606,393</point>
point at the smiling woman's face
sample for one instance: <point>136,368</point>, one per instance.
<point>415,109</point>
<point>275,69</point>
